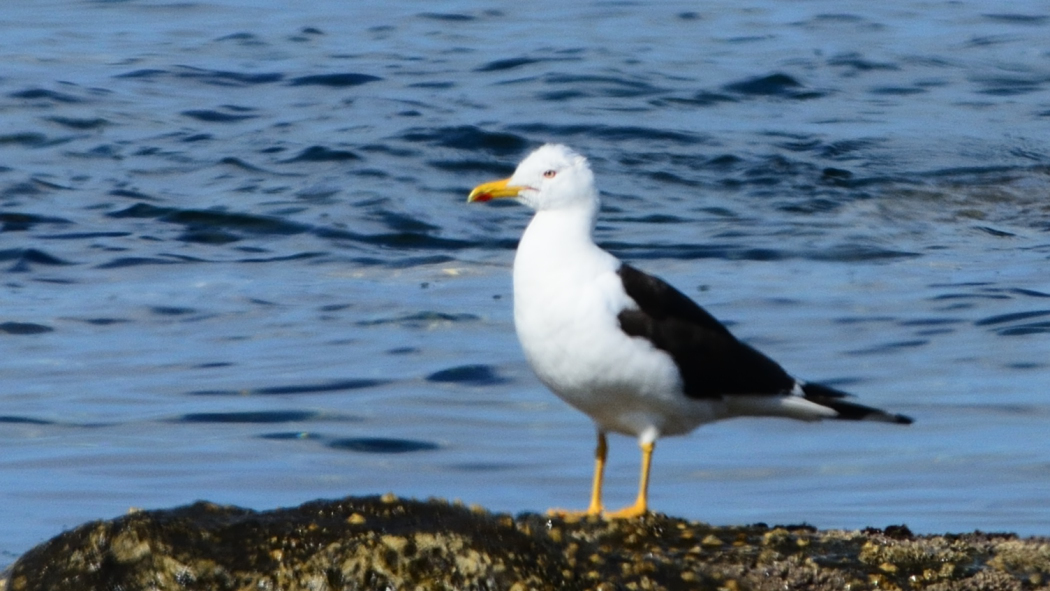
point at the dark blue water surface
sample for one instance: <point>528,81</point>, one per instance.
<point>237,264</point>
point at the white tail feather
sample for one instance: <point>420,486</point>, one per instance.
<point>792,407</point>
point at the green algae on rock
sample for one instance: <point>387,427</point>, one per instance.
<point>390,543</point>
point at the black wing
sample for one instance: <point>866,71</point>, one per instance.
<point>712,362</point>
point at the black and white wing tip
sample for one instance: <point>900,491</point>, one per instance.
<point>849,411</point>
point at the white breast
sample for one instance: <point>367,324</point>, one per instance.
<point>566,298</point>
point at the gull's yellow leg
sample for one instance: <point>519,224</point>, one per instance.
<point>595,508</point>
<point>640,506</point>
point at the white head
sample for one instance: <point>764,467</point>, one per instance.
<point>552,177</point>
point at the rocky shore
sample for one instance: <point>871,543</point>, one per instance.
<point>391,543</point>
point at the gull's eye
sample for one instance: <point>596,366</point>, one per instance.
<point>550,174</point>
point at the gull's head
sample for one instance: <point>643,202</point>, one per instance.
<point>552,177</point>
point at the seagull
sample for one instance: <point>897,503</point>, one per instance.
<point>624,347</point>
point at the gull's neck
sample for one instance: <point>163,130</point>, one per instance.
<point>558,243</point>
<point>560,229</point>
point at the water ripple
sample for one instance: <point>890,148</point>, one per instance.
<point>206,76</point>
<point>323,154</point>
<point>315,388</point>
<point>257,417</point>
<point>474,375</point>
<point>212,116</point>
<point>25,259</point>
<point>24,328</point>
<point>774,85</point>
<point>469,137</point>
<point>382,445</point>
<point>341,80</point>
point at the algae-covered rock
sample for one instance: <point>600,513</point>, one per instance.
<point>354,543</point>
<point>390,543</point>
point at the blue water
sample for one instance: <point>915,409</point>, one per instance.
<point>237,264</point>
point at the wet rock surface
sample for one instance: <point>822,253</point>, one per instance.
<point>391,543</point>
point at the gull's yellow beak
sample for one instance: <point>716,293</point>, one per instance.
<point>494,190</point>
